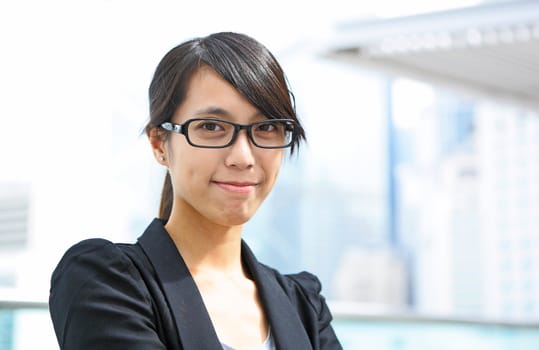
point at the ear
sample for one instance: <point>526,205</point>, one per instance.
<point>157,141</point>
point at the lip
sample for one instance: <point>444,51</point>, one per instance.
<point>236,187</point>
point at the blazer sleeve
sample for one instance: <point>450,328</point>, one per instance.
<point>310,301</point>
<point>99,301</point>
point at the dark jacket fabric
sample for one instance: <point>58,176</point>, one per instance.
<point>142,296</point>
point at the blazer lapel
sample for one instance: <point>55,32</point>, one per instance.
<point>286,327</point>
<point>192,319</point>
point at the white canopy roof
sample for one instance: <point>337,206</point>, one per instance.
<point>490,49</point>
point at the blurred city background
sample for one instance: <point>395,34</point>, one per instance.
<point>415,199</point>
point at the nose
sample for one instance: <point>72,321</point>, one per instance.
<point>240,153</point>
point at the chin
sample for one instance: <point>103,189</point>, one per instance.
<point>235,221</point>
<point>235,218</point>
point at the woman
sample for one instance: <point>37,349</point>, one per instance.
<point>221,116</point>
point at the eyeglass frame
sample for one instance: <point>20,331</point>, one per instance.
<point>183,129</point>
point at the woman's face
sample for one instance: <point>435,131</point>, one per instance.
<point>224,185</point>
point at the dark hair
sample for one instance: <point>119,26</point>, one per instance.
<point>242,61</point>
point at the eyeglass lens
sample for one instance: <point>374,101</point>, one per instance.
<point>217,133</point>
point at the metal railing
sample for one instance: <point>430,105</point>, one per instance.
<point>25,325</point>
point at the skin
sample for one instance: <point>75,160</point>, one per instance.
<point>215,192</point>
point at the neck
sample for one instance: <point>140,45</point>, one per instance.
<point>205,246</point>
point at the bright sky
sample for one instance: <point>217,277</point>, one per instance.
<point>74,76</point>
<point>64,62</point>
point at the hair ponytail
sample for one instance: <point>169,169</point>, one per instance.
<point>165,207</point>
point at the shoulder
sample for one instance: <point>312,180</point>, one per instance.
<point>303,282</point>
<point>84,249</point>
<point>303,289</point>
<point>306,286</point>
<point>88,264</point>
<point>306,281</point>
<point>98,283</point>
<point>304,292</point>
<point>88,258</point>
<point>93,260</point>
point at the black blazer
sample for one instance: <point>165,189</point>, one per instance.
<point>142,296</point>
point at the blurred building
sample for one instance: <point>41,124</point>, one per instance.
<point>465,151</point>
<point>372,276</point>
<point>508,145</point>
<point>15,223</point>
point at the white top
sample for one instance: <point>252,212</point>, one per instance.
<point>268,344</point>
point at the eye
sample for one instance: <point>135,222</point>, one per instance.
<point>266,127</point>
<point>209,126</point>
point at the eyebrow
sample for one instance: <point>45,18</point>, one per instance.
<point>223,113</point>
<point>218,111</point>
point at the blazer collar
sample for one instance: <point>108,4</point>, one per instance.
<point>286,326</point>
<point>193,322</point>
<point>192,319</point>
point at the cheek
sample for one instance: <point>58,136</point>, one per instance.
<point>191,167</point>
<point>272,166</point>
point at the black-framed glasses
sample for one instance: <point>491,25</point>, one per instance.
<point>217,133</point>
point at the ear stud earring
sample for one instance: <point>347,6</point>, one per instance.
<point>161,158</point>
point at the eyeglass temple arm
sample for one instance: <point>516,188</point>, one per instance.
<point>172,127</point>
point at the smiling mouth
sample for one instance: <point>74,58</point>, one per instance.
<point>236,187</point>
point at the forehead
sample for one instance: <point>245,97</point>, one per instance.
<point>206,91</point>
